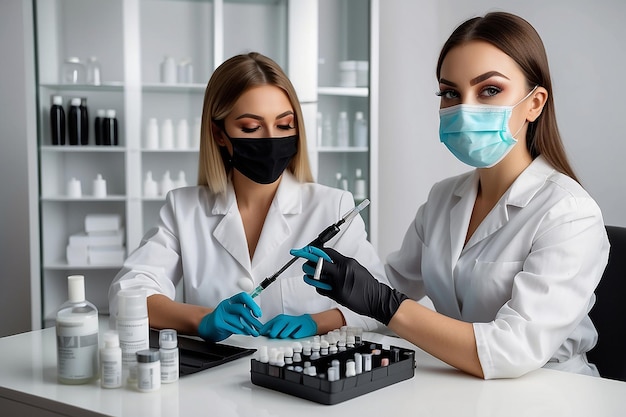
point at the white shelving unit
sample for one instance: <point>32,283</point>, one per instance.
<point>130,39</point>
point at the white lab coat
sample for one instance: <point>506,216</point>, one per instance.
<point>526,277</point>
<point>200,239</point>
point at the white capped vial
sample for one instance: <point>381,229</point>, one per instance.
<point>111,361</point>
<point>168,354</point>
<point>350,368</point>
<point>148,370</point>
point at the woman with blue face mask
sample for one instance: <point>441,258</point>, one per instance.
<point>255,200</point>
<point>511,252</point>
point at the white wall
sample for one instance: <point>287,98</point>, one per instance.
<point>582,39</point>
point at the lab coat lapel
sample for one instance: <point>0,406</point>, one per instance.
<point>276,229</point>
<point>519,194</point>
<point>460,215</point>
<point>229,232</point>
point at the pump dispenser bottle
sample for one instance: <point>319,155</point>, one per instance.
<point>132,326</point>
<point>77,336</point>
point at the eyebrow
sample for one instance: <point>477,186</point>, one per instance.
<point>256,117</point>
<point>476,80</point>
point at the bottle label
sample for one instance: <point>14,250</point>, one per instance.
<point>77,353</point>
<point>111,373</point>
<point>134,336</point>
<point>169,365</point>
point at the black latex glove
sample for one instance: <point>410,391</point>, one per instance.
<point>350,284</point>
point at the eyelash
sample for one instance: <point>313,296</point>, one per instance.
<point>445,94</point>
<point>252,130</point>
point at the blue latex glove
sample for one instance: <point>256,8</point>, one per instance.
<point>284,326</point>
<point>235,315</point>
<point>350,284</point>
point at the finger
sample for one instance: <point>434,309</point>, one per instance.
<point>245,299</point>
<point>242,313</point>
<point>310,253</point>
<point>274,329</point>
<point>317,284</point>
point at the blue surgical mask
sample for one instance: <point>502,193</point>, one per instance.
<point>478,135</point>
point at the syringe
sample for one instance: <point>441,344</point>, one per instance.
<point>319,241</point>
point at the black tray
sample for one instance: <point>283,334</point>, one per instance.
<point>197,355</point>
<point>320,390</point>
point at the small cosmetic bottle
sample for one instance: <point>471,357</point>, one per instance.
<point>148,370</point>
<point>168,353</point>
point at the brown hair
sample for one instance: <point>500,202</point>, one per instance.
<point>518,39</point>
<point>229,81</point>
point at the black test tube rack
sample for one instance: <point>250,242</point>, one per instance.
<point>319,389</point>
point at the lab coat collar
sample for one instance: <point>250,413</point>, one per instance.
<point>519,194</point>
<point>231,235</point>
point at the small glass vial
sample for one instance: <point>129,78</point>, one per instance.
<point>168,343</point>
<point>111,361</point>
<point>148,370</point>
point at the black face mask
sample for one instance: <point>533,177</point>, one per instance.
<point>262,160</point>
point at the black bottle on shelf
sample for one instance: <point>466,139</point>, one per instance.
<point>84,122</point>
<point>74,122</point>
<point>110,129</point>
<point>57,120</point>
<point>98,126</point>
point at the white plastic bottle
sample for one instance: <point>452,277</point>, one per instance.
<point>77,336</point>
<point>99,187</point>
<point>342,183</point>
<point>148,370</point>
<point>132,326</point>
<point>150,186</point>
<point>168,70</point>
<point>166,183</point>
<point>167,134</point>
<point>111,361</point>
<point>360,130</point>
<point>359,185</point>
<point>343,130</point>
<point>152,134</point>
<point>168,352</point>
<point>182,134</point>
<point>93,71</point>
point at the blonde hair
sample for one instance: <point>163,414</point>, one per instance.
<point>229,81</point>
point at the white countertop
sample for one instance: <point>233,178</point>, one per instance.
<point>28,386</point>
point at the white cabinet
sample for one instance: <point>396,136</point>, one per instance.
<point>130,39</point>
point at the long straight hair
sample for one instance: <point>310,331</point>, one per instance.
<point>230,80</point>
<point>518,39</point>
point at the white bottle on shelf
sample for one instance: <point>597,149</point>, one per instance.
<point>166,183</point>
<point>181,181</point>
<point>168,70</point>
<point>343,130</point>
<point>327,132</point>
<point>167,134</point>
<point>74,189</point>
<point>150,186</point>
<point>360,130</point>
<point>152,134</point>
<point>359,185</point>
<point>182,135</point>
<point>99,187</point>
<point>197,132</point>
<point>342,183</point>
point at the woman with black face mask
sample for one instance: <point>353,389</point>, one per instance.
<point>255,200</point>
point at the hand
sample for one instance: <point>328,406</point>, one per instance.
<point>350,284</point>
<point>235,315</point>
<point>284,326</point>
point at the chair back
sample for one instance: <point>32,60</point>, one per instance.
<point>609,312</point>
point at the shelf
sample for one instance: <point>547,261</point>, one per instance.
<point>86,198</point>
<point>173,150</point>
<point>63,266</point>
<point>79,148</point>
<point>174,88</point>
<point>343,91</point>
<point>109,86</point>
<point>342,149</point>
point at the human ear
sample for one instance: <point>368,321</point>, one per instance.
<point>537,101</point>
<point>218,134</point>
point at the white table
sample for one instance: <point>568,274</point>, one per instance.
<point>28,386</point>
